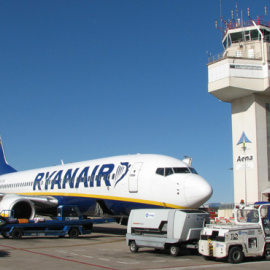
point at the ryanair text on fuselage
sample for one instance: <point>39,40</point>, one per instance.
<point>62,179</point>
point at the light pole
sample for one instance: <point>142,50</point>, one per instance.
<point>244,149</point>
<point>231,169</point>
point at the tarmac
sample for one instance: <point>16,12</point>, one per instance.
<point>105,248</point>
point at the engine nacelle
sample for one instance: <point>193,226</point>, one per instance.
<point>20,207</point>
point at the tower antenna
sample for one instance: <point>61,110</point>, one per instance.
<point>236,9</point>
<point>221,19</point>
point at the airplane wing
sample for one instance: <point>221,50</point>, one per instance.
<point>42,201</point>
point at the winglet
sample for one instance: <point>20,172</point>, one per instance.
<point>4,167</point>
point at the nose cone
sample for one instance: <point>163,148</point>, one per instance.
<point>197,191</point>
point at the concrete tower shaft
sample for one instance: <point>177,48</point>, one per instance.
<point>240,75</point>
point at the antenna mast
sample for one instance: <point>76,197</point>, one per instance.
<point>221,19</point>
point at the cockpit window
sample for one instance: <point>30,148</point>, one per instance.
<point>181,170</point>
<point>160,171</point>
<point>169,171</point>
<point>193,170</point>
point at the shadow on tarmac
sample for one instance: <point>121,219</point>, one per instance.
<point>4,253</point>
<point>109,230</point>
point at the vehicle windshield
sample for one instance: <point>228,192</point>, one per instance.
<point>247,216</point>
<point>265,214</point>
<point>68,211</point>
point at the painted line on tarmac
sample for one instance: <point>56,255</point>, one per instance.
<point>60,258</point>
<point>198,266</point>
<point>115,249</point>
<point>103,259</point>
<point>69,260</point>
<point>64,246</point>
<point>74,254</point>
<point>61,251</point>
<point>202,266</point>
<point>127,262</point>
<point>86,256</point>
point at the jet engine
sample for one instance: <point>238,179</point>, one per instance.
<point>17,206</point>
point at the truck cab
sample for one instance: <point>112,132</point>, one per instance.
<point>68,212</point>
<point>249,236</point>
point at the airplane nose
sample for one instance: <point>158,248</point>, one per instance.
<point>197,191</point>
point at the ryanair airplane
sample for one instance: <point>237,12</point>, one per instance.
<point>114,185</point>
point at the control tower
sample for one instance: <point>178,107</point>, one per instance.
<point>240,76</point>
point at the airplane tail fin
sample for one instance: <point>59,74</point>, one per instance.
<point>4,167</point>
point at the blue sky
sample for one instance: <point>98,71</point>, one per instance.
<point>88,79</point>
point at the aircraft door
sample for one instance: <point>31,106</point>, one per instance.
<point>133,177</point>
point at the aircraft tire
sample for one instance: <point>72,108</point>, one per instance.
<point>73,233</point>
<point>16,233</point>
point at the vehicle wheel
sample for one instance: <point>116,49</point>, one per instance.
<point>73,233</point>
<point>4,235</point>
<point>266,255</point>
<point>16,233</point>
<point>174,251</point>
<point>235,255</point>
<point>133,247</point>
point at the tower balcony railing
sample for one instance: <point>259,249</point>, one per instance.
<point>240,24</point>
<point>235,54</point>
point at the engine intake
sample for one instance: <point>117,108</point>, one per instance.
<point>16,206</point>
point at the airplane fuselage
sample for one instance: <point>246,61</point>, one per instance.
<point>119,183</point>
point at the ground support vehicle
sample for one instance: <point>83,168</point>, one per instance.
<point>69,221</point>
<point>249,237</point>
<point>162,229</point>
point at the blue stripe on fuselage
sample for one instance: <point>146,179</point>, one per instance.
<point>87,205</point>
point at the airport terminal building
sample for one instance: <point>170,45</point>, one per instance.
<point>240,75</point>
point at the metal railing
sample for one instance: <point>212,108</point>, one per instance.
<point>237,54</point>
<point>240,24</point>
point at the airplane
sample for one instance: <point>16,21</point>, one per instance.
<point>115,185</point>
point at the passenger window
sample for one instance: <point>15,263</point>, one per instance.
<point>160,171</point>
<point>168,171</point>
